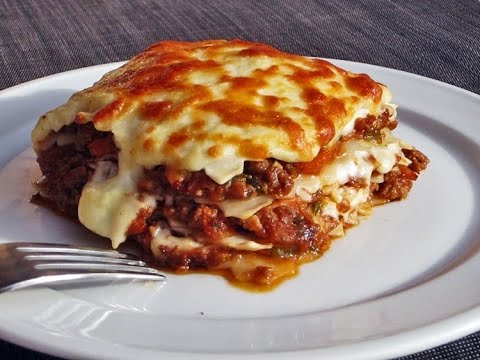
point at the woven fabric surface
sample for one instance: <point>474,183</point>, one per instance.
<point>438,39</point>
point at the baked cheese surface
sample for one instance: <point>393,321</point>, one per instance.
<point>213,105</point>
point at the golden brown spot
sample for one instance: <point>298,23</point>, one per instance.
<point>271,102</point>
<point>330,113</point>
<point>335,85</point>
<point>81,118</point>
<point>253,151</point>
<point>109,112</point>
<point>198,124</point>
<point>303,77</point>
<point>247,84</point>
<point>156,110</point>
<point>186,133</point>
<point>263,73</point>
<point>322,64</point>
<point>177,139</point>
<point>167,72</point>
<point>215,151</point>
<point>325,156</point>
<point>243,89</point>
<point>199,94</point>
<point>335,108</point>
<point>201,136</point>
<point>326,111</point>
<point>174,46</point>
<point>170,58</point>
<point>325,129</point>
<point>354,99</point>
<point>148,144</point>
<point>314,97</point>
<point>364,86</point>
<point>246,148</point>
<point>244,116</point>
<point>150,129</point>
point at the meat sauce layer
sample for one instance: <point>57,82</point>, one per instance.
<point>187,200</point>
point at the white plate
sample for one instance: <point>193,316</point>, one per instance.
<point>406,279</point>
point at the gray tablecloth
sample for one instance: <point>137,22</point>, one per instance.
<point>438,39</point>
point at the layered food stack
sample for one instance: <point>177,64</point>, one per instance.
<point>228,156</point>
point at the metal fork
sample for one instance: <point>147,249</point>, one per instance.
<point>27,264</point>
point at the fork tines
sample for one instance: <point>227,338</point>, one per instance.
<point>55,257</point>
<point>28,264</point>
<point>68,249</point>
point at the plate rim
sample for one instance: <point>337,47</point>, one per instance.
<point>471,316</point>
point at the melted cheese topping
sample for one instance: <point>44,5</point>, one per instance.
<point>209,105</point>
<point>212,105</point>
<point>108,207</point>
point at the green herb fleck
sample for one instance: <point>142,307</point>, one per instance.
<point>316,207</point>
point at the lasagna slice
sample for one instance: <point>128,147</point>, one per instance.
<point>228,156</point>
